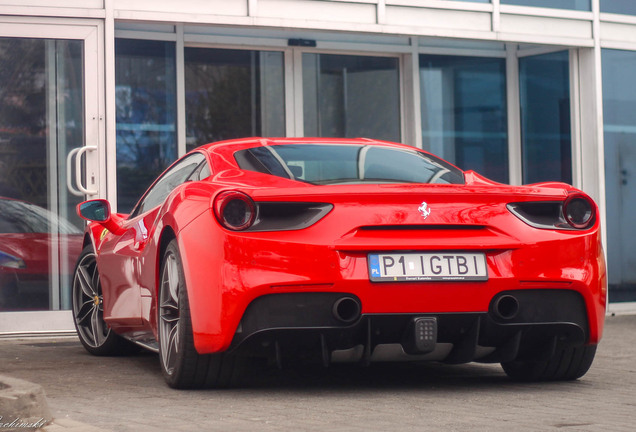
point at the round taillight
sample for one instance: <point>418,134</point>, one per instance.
<point>235,210</point>
<point>578,211</point>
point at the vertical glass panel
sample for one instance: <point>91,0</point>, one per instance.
<point>544,83</point>
<point>145,94</point>
<point>619,105</point>
<point>41,120</point>
<point>581,5</point>
<point>351,96</point>
<point>233,94</point>
<point>619,6</point>
<point>464,117</point>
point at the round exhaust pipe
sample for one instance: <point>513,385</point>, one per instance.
<point>346,309</point>
<point>506,307</point>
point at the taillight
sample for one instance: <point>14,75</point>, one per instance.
<point>234,210</point>
<point>578,211</point>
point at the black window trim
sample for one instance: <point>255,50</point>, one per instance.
<point>137,210</point>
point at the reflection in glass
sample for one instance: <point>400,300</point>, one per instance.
<point>23,217</point>
<point>41,120</point>
<point>619,6</point>
<point>29,237</point>
<point>463,105</point>
<point>351,96</point>
<point>619,127</point>
<point>544,83</point>
<point>581,5</point>
<point>233,94</point>
<point>145,80</point>
<point>178,174</point>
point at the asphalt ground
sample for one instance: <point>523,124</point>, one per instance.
<point>87,393</point>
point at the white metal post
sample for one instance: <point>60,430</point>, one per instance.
<point>515,169</point>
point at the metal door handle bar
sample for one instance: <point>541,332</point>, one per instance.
<point>77,153</point>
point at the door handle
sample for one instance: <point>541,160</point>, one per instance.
<point>77,153</point>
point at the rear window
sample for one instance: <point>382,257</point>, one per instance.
<point>323,164</point>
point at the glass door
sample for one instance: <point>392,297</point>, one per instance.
<point>464,112</point>
<point>48,161</point>
<point>351,96</point>
<point>546,138</point>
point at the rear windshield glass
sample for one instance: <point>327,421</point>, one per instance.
<point>345,164</point>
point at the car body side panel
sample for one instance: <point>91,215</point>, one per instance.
<point>125,259</point>
<point>202,251</point>
<point>119,262</point>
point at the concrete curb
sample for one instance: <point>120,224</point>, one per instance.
<point>23,405</point>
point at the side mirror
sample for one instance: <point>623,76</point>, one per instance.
<point>94,210</point>
<point>98,210</point>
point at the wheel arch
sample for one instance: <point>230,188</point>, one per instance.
<point>88,240</point>
<point>167,235</point>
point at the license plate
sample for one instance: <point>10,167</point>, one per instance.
<point>422,267</point>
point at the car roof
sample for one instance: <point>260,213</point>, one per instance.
<point>243,143</point>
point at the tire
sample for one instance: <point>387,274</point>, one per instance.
<point>182,366</point>
<point>566,365</point>
<point>88,312</point>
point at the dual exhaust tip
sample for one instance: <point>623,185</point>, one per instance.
<point>505,307</point>
<point>348,309</point>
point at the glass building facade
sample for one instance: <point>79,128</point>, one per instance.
<point>580,5</point>
<point>618,6</point>
<point>99,98</point>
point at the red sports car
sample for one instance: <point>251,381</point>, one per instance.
<point>342,250</point>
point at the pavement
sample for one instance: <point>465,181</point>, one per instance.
<point>93,394</point>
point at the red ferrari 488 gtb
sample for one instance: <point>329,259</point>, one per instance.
<point>342,250</point>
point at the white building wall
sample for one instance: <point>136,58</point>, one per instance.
<point>439,18</point>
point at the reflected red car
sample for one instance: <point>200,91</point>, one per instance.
<point>29,234</point>
<point>342,250</point>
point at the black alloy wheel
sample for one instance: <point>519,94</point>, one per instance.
<point>169,314</point>
<point>88,310</point>
<point>182,366</point>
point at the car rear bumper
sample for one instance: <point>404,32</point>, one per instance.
<point>250,268</point>
<point>310,325</point>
